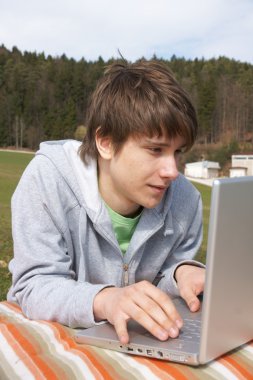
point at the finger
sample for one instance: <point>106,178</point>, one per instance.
<point>150,315</point>
<point>194,304</point>
<point>161,308</point>
<point>145,320</point>
<point>121,330</point>
<point>191,299</point>
<point>166,320</point>
<point>170,310</point>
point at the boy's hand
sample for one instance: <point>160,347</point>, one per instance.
<point>190,280</point>
<point>142,302</point>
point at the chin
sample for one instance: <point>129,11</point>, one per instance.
<point>150,205</point>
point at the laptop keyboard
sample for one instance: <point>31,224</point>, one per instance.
<point>190,330</point>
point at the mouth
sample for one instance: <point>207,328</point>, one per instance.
<point>158,189</point>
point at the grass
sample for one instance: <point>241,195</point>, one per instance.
<point>206,198</point>
<point>12,165</point>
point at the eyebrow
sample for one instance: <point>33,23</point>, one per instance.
<point>153,142</point>
<point>158,143</point>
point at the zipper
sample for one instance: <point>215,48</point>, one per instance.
<point>125,266</point>
<point>126,277</point>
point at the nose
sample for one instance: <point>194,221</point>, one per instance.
<point>169,168</point>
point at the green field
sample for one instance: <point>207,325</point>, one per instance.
<point>206,198</point>
<point>11,167</point>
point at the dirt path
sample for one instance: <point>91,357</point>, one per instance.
<point>16,151</point>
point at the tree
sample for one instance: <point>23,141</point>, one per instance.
<point>46,98</point>
<point>80,132</point>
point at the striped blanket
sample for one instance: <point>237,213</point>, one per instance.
<point>46,350</point>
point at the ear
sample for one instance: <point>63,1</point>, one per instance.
<point>104,146</point>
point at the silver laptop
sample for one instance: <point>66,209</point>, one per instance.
<point>225,320</point>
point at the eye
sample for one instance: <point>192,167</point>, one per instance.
<point>179,151</point>
<point>155,150</point>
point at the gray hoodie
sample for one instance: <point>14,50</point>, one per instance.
<point>65,250</point>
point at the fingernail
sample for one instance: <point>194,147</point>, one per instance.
<point>124,339</point>
<point>162,334</point>
<point>179,323</point>
<point>173,331</point>
<point>192,306</point>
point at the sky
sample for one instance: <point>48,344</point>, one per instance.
<point>137,28</point>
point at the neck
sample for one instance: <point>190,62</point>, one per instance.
<point>111,197</point>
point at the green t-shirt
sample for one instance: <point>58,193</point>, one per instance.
<point>123,228</point>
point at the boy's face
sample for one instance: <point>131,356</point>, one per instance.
<point>139,174</point>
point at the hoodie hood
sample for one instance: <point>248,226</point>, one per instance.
<point>81,178</point>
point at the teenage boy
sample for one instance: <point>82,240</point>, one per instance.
<point>107,229</point>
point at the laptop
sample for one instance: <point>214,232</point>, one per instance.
<point>225,320</point>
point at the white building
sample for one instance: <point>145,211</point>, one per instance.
<point>242,165</point>
<point>202,169</point>
<point>237,171</point>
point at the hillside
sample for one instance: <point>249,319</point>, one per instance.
<point>45,98</point>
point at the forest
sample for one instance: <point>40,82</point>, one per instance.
<point>45,98</point>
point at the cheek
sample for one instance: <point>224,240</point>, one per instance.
<point>132,170</point>
<point>139,177</point>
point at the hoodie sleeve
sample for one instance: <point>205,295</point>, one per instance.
<point>43,282</point>
<point>183,252</point>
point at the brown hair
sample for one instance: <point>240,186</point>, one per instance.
<point>136,99</point>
